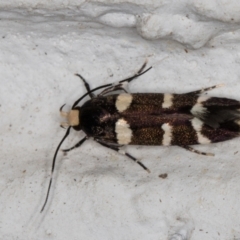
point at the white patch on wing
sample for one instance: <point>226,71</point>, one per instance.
<point>237,122</point>
<point>167,136</point>
<point>124,100</point>
<point>123,131</point>
<point>167,100</point>
<point>198,109</point>
<point>197,126</point>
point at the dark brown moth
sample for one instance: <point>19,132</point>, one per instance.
<point>116,119</point>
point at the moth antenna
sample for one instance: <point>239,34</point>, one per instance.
<point>108,85</point>
<point>91,95</point>
<point>92,90</point>
<point>53,165</point>
<point>143,66</point>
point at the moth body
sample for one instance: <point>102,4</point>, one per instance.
<point>116,119</point>
<point>158,119</point>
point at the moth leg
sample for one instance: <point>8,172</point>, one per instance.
<point>86,84</point>
<point>205,89</point>
<point>76,145</point>
<point>196,151</point>
<point>142,67</point>
<point>118,87</point>
<point>139,73</point>
<point>109,87</point>
<point>117,149</point>
<point>122,85</point>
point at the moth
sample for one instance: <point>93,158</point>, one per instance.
<point>115,118</point>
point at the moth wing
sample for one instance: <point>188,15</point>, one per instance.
<point>216,111</point>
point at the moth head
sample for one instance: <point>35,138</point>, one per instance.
<point>72,118</point>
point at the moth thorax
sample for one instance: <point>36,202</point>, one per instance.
<point>72,118</point>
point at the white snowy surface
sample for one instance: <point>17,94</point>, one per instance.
<point>97,193</point>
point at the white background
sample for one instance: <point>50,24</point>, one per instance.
<point>97,193</point>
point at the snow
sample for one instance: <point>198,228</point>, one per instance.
<point>97,193</point>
